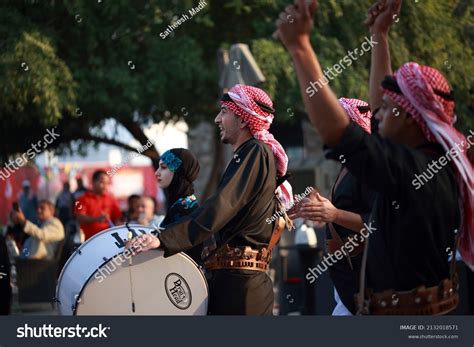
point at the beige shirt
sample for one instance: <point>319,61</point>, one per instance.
<point>44,240</point>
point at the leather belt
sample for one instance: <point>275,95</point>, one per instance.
<point>436,300</point>
<point>244,258</point>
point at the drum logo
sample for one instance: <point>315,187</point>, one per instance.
<point>178,291</point>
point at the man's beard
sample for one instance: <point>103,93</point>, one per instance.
<point>224,140</point>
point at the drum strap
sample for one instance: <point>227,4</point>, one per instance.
<point>276,234</point>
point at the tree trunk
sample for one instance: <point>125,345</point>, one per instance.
<point>217,168</point>
<point>137,132</point>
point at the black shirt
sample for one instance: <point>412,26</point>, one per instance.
<point>353,196</point>
<point>413,228</point>
<point>243,201</point>
<point>178,211</point>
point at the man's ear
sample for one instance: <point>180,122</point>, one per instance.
<point>243,124</point>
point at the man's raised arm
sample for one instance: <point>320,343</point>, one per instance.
<point>380,18</point>
<point>323,108</point>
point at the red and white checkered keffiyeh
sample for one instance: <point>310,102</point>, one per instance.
<point>244,106</point>
<point>435,116</point>
<point>351,106</point>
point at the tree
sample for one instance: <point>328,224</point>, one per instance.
<point>89,61</point>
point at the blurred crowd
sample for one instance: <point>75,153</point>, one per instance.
<point>43,230</point>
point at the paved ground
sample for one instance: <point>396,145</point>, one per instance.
<point>40,309</point>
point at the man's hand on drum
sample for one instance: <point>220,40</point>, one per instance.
<point>142,243</point>
<point>318,209</point>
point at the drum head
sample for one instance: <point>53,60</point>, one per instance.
<point>152,285</point>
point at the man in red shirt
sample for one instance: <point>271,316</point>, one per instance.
<point>97,210</point>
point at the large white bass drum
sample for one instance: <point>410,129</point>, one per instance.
<point>98,279</point>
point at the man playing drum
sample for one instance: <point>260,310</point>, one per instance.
<point>238,211</point>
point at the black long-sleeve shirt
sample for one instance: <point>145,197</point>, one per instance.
<point>244,199</point>
<point>177,212</point>
<point>353,196</point>
<point>413,228</point>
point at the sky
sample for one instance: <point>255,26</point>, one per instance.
<point>164,136</point>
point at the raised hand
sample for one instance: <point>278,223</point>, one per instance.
<point>295,23</point>
<point>17,217</point>
<point>382,15</point>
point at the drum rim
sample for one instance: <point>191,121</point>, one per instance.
<point>82,246</point>
<point>74,311</point>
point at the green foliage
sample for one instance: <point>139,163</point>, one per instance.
<point>108,60</point>
<point>34,79</point>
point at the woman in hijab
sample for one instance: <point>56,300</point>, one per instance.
<point>176,173</point>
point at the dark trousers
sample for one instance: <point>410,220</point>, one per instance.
<point>240,292</point>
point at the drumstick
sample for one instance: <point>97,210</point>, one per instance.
<point>130,235</point>
<point>110,223</point>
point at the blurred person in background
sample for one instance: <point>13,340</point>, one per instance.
<point>43,240</point>
<point>65,204</point>
<point>97,210</point>
<point>132,213</point>
<point>28,202</point>
<point>146,213</point>
<point>80,190</point>
<point>15,233</point>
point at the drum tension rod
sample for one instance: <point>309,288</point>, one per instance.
<point>129,237</point>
